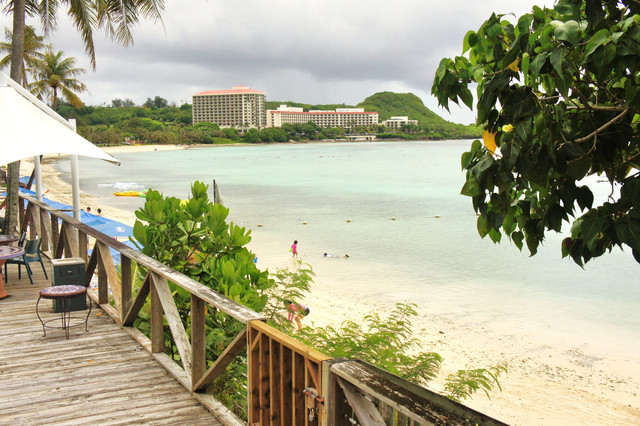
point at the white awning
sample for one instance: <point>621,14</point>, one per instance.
<point>29,128</point>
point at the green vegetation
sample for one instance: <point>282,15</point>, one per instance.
<point>56,77</point>
<point>172,125</point>
<point>387,342</point>
<point>559,102</point>
<point>194,238</point>
<point>430,125</point>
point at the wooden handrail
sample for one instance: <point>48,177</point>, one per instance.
<point>288,382</point>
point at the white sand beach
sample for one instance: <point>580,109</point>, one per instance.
<point>549,383</point>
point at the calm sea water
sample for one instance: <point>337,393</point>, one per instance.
<point>431,254</point>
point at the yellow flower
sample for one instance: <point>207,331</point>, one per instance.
<point>507,128</point>
<point>513,66</point>
<point>489,141</point>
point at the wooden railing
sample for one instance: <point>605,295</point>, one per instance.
<point>289,383</point>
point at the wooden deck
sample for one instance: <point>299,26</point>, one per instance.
<point>97,377</point>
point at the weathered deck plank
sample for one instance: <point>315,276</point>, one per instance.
<point>98,377</point>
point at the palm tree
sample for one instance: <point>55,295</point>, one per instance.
<point>32,50</point>
<point>56,77</point>
<point>114,16</point>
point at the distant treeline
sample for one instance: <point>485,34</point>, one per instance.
<point>156,122</point>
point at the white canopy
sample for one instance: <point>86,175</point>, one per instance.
<point>29,128</point>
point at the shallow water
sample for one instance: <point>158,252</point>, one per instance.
<point>349,193</point>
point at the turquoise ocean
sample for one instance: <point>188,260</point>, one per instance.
<point>395,209</point>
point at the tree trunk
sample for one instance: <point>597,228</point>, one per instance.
<point>13,173</point>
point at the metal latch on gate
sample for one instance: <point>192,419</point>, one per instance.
<point>314,403</point>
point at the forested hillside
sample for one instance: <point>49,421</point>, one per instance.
<point>157,122</point>
<point>389,104</point>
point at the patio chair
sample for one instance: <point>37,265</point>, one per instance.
<point>31,254</point>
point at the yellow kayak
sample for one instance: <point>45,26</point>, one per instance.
<point>130,193</point>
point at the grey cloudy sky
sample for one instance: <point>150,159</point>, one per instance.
<point>311,51</point>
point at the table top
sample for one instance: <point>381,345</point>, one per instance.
<point>9,252</point>
<point>6,239</point>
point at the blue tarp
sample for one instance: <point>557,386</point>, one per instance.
<point>107,226</point>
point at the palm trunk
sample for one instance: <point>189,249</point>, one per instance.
<point>13,174</point>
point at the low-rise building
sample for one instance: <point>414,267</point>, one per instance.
<point>396,123</point>
<point>240,107</point>
<point>345,118</point>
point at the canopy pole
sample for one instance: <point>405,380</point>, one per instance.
<point>75,187</point>
<point>75,179</point>
<point>38,173</point>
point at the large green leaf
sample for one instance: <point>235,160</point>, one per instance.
<point>569,32</point>
<point>592,225</point>
<point>630,192</point>
<point>629,233</point>
<point>595,41</point>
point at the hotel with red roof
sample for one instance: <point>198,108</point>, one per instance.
<point>239,107</point>
<point>242,107</point>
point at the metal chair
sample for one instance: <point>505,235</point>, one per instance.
<point>31,254</point>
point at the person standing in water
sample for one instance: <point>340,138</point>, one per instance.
<point>294,249</point>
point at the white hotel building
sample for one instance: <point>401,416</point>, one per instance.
<point>239,107</point>
<point>341,117</point>
<point>397,122</point>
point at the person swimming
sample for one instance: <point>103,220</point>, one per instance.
<point>346,256</point>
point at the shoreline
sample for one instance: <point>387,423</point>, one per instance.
<point>549,382</point>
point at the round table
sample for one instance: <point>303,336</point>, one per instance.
<point>8,239</point>
<point>7,252</point>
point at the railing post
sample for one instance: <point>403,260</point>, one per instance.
<point>126,281</point>
<point>198,340</point>
<point>82,245</point>
<point>157,326</point>
<point>55,234</point>
<point>336,408</point>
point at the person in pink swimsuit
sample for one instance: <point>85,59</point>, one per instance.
<point>294,249</point>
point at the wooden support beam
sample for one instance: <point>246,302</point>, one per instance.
<point>157,323</point>
<point>70,240</point>
<point>91,265</point>
<point>45,230</point>
<point>138,303</point>
<point>198,341</point>
<point>312,369</point>
<point>60,242</point>
<point>83,243</point>
<point>173,319</point>
<point>106,261</point>
<point>263,380</point>
<point>126,286</point>
<point>366,412</point>
<point>253,369</point>
<point>238,345</point>
<point>55,236</point>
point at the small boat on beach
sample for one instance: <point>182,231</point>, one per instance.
<point>130,193</point>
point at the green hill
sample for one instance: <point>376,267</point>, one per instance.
<point>389,104</point>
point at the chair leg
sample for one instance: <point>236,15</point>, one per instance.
<point>29,273</point>
<point>43,269</point>
<point>19,271</point>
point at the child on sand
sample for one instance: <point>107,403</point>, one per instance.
<point>296,312</point>
<point>294,249</point>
